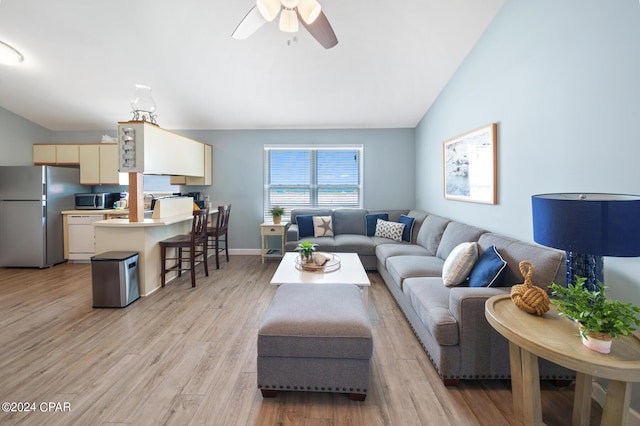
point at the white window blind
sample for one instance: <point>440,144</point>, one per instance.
<point>304,176</point>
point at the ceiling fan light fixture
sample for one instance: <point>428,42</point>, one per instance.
<point>289,4</point>
<point>288,21</point>
<point>309,10</point>
<point>268,8</point>
<point>9,55</point>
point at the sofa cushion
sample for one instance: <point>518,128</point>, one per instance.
<point>353,243</point>
<point>349,221</point>
<point>391,230</point>
<point>408,227</point>
<point>459,263</point>
<point>372,220</point>
<point>322,243</point>
<point>322,226</point>
<point>549,263</point>
<point>431,232</point>
<point>309,212</point>
<point>305,226</point>
<point>401,267</point>
<point>385,251</point>
<point>419,216</point>
<point>488,269</point>
<point>430,299</point>
<point>455,234</point>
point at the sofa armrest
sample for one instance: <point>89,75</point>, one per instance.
<point>292,233</point>
<point>484,353</point>
<point>467,303</point>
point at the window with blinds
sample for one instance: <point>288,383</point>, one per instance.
<point>303,176</point>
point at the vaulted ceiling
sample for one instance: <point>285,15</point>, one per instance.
<point>83,58</point>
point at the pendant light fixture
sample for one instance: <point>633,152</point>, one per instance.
<point>9,55</point>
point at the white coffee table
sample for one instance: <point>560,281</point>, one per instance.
<point>351,271</point>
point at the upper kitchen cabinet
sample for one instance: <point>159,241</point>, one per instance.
<point>99,164</point>
<point>207,179</point>
<point>149,149</point>
<point>56,154</point>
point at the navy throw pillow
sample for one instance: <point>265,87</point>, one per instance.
<point>372,220</point>
<point>488,270</point>
<point>305,226</point>
<point>408,227</point>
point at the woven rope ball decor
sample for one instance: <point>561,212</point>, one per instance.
<point>528,297</point>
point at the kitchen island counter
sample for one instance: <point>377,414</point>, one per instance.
<point>145,223</point>
<point>143,237</point>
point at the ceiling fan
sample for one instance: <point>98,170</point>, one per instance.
<point>307,12</point>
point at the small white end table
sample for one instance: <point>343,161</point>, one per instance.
<point>273,229</point>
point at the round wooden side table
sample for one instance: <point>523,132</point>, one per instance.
<point>556,339</point>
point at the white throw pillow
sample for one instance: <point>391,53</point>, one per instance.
<point>322,226</point>
<point>459,264</point>
<point>391,230</point>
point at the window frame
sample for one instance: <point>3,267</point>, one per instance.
<point>313,187</point>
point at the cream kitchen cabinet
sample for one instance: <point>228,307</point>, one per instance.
<point>56,154</point>
<point>79,236</point>
<point>207,179</point>
<point>99,164</point>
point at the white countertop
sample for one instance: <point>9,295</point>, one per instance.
<point>95,212</point>
<point>124,223</point>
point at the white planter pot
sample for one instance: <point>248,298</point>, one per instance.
<point>596,344</point>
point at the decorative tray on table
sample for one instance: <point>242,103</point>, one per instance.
<point>322,262</point>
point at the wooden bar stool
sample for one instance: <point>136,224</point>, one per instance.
<point>195,244</point>
<point>219,233</point>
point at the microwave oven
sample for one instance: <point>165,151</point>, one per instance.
<point>96,201</point>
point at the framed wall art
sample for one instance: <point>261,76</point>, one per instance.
<point>469,165</point>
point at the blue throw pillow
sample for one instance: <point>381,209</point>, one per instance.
<point>488,270</point>
<point>372,220</point>
<point>305,226</point>
<point>408,227</point>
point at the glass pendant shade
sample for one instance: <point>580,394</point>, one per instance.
<point>289,4</point>
<point>268,8</point>
<point>288,21</point>
<point>142,100</point>
<point>9,55</point>
<point>309,10</point>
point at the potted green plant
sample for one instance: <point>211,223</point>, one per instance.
<point>276,214</point>
<point>306,249</point>
<point>600,318</point>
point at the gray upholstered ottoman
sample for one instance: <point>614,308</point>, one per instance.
<point>316,338</point>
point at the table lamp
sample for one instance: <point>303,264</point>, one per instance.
<point>588,226</point>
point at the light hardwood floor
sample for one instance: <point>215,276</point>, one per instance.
<point>188,356</point>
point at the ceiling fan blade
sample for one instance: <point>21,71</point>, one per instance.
<point>321,30</point>
<point>249,24</point>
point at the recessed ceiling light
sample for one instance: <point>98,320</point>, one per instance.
<point>9,55</point>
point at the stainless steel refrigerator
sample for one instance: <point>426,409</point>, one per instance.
<point>31,201</point>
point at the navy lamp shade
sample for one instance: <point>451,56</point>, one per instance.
<point>588,226</point>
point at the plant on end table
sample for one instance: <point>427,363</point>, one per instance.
<point>306,249</point>
<point>599,318</point>
<point>276,214</point>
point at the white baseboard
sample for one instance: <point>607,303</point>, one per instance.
<point>599,394</point>
<point>241,252</point>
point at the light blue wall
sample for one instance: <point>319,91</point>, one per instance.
<point>389,168</point>
<point>17,135</point>
<point>562,80</point>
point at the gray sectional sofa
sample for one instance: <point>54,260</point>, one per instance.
<point>449,322</point>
